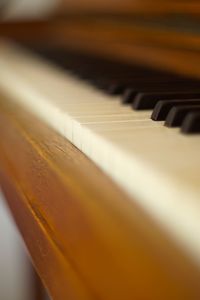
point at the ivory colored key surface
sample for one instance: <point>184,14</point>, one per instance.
<point>157,165</point>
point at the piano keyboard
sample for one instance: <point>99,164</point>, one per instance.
<point>157,165</point>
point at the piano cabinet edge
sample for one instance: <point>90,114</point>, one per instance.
<point>86,238</point>
<point>156,47</point>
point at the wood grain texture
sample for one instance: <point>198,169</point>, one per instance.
<point>161,48</point>
<point>148,30</point>
<point>87,239</point>
<point>130,6</point>
<point>71,7</point>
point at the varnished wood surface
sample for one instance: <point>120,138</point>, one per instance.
<point>155,47</point>
<point>147,30</point>
<point>161,48</point>
<point>86,238</point>
<point>74,7</point>
<point>130,6</point>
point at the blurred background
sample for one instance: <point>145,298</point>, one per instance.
<point>15,271</point>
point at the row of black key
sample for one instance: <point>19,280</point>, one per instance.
<point>182,112</point>
<point>173,99</point>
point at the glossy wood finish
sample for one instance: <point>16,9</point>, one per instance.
<point>87,239</point>
<point>155,47</point>
<point>158,47</point>
<point>130,6</point>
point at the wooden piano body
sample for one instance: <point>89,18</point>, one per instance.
<point>87,238</point>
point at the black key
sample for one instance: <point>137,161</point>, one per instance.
<point>99,83</point>
<point>191,123</point>
<point>149,100</point>
<point>163,107</point>
<point>129,95</point>
<point>115,89</point>
<point>177,114</point>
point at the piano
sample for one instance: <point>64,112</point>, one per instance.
<point>99,148</point>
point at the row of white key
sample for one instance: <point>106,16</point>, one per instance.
<point>156,165</point>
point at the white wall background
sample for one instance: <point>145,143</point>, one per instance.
<point>14,266</point>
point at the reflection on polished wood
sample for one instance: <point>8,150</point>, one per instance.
<point>157,46</point>
<point>86,238</point>
<point>130,6</point>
